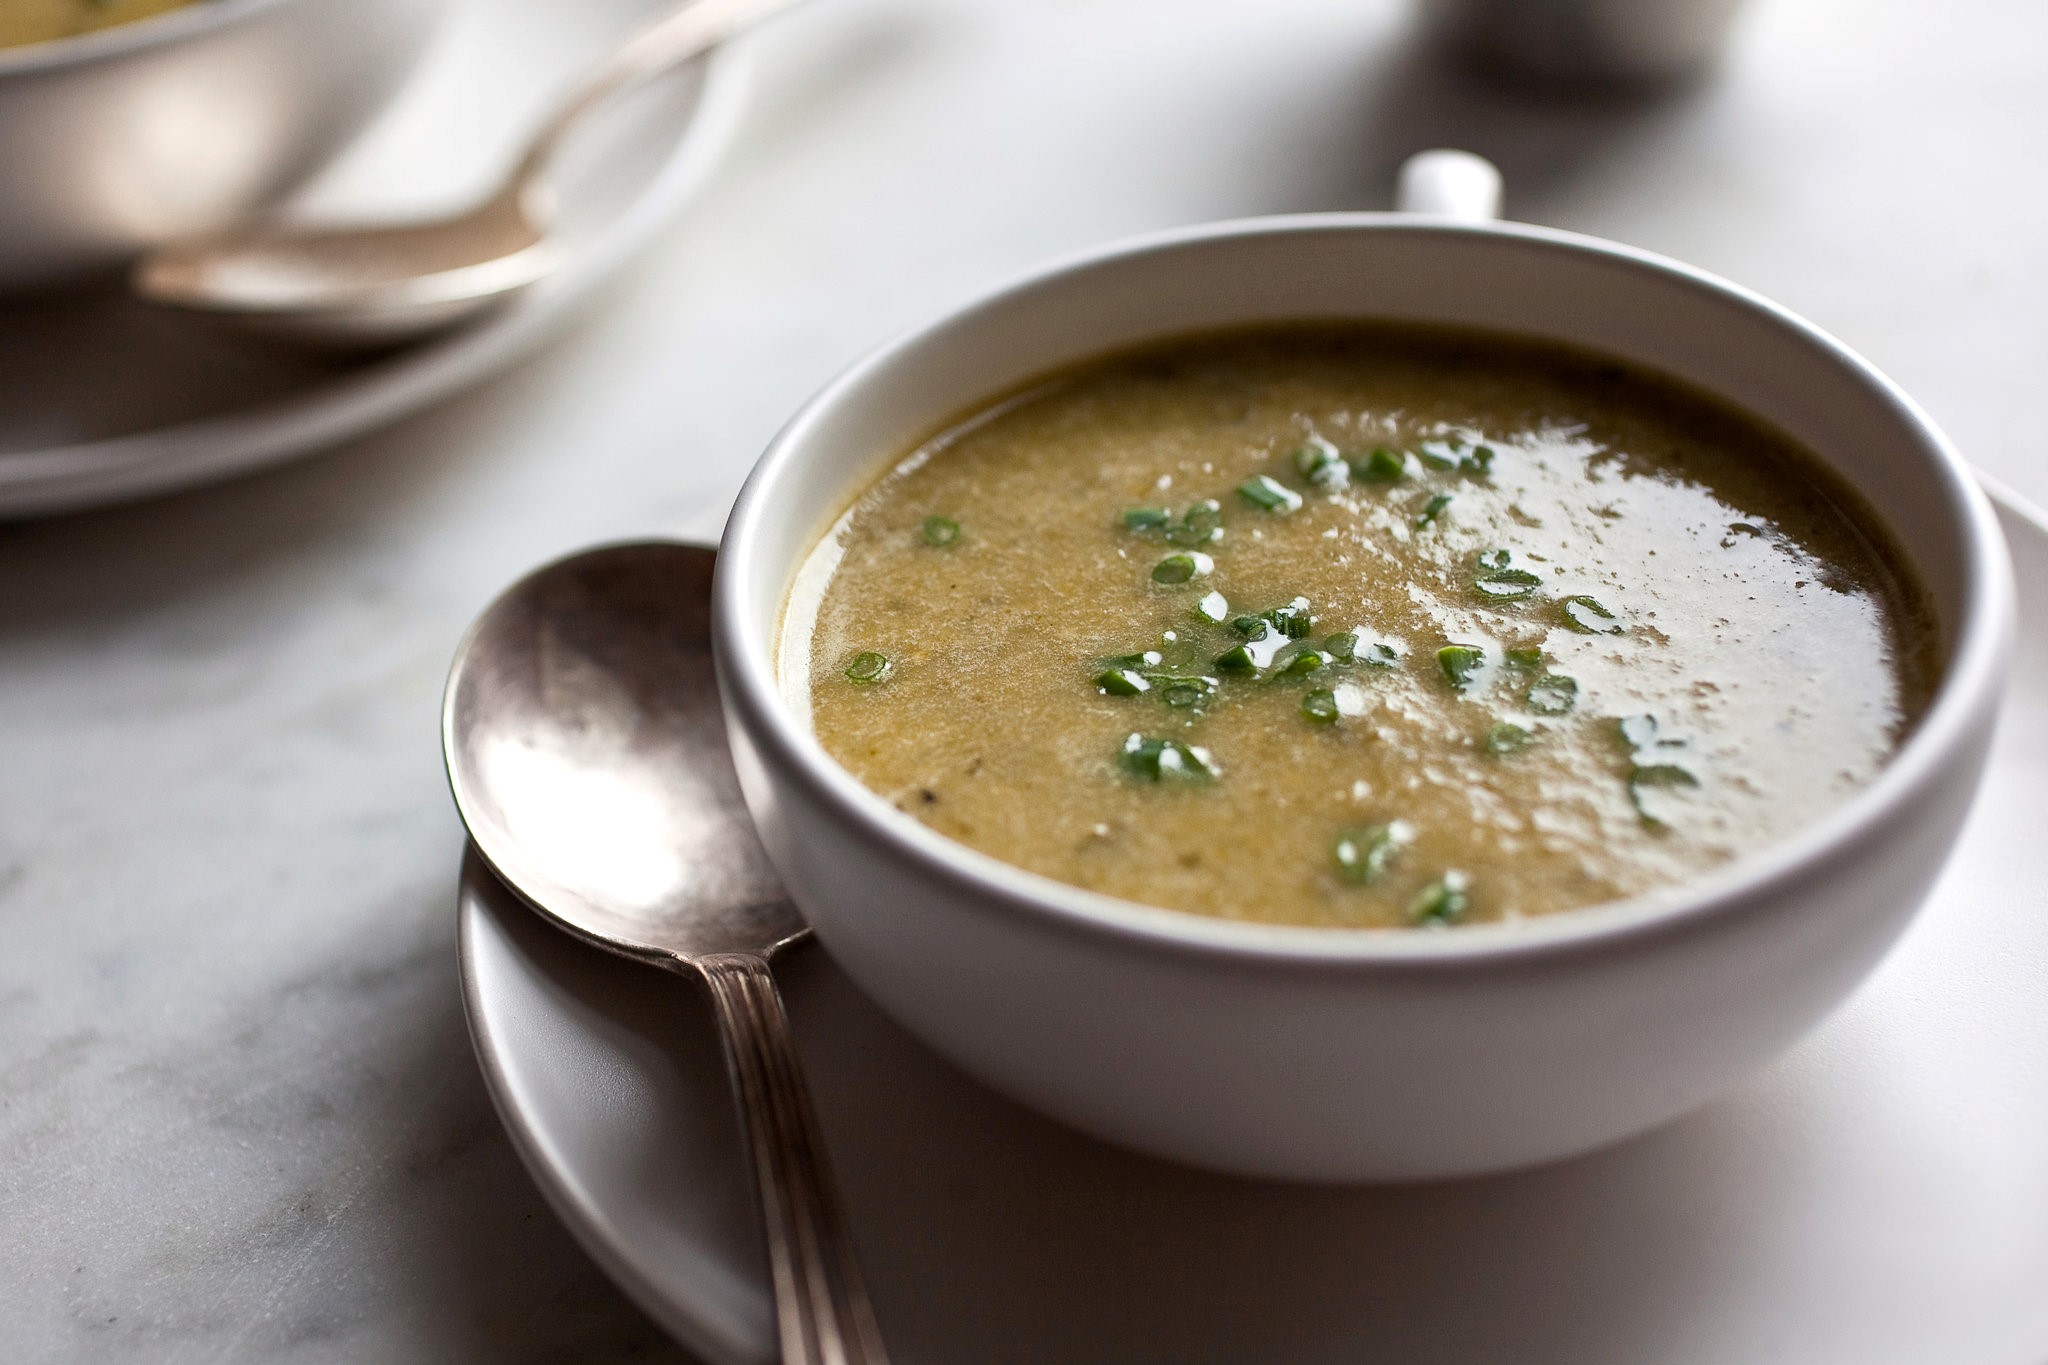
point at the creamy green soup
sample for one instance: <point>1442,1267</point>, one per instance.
<point>1360,626</point>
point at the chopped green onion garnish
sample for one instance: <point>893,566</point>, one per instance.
<point>1212,609</point>
<point>1200,524</point>
<point>1252,627</point>
<point>1237,659</point>
<point>1645,779</point>
<point>1506,585</point>
<point>1433,509</point>
<point>1523,658</point>
<point>1341,647</point>
<point>1162,760</point>
<point>1304,662</point>
<point>1263,490</point>
<point>1506,738</point>
<point>1480,461</point>
<point>1146,518</point>
<point>1182,568</point>
<point>1320,706</point>
<point>1661,775</point>
<point>1381,466</point>
<point>940,531</point>
<point>867,668</point>
<point>1150,658</point>
<point>1441,902</point>
<point>1490,560</point>
<point>1182,693</point>
<point>1364,855</point>
<point>1319,463</point>
<point>1460,663</point>
<point>1588,617</point>
<point>1121,682</point>
<point>1439,454</point>
<point>1553,694</point>
<point>1294,620</point>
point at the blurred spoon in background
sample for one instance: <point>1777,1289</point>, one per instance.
<point>383,285</point>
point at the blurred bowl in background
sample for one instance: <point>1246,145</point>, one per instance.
<point>116,140</point>
<point>1584,42</point>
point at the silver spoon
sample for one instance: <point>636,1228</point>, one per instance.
<point>380,285</point>
<point>588,757</point>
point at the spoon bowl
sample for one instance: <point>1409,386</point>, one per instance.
<point>588,756</point>
<point>361,286</point>
<point>586,749</point>
<point>352,287</point>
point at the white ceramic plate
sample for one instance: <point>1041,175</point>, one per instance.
<point>102,400</point>
<point>1880,1197</point>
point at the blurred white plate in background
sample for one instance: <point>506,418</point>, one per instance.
<point>102,400</point>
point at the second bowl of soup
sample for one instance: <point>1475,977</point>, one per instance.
<point>1353,698</point>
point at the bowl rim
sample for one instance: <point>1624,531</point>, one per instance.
<point>1970,686</point>
<point>188,21</point>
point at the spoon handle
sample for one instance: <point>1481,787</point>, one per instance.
<point>821,1305</point>
<point>686,31</point>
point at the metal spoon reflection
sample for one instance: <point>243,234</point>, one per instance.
<point>374,286</point>
<point>587,753</point>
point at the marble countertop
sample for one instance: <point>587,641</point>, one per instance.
<point>239,1117</point>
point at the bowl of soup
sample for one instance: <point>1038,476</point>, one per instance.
<point>1364,696</point>
<point>125,123</point>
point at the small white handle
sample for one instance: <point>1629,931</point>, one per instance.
<point>1448,184</point>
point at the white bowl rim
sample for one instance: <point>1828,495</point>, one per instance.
<point>1975,667</point>
<point>137,35</point>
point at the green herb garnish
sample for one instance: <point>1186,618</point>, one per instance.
<point>1147,518</point>
<point>940,532</point>
<point>1165,760</point>
<point>1184,693</point>
<point>1121,682</point>
<point>1460,663</point>
<point>1381,466</point>
<point>1265,491</point>
<point>1439,454</point>
<point>1523,658</point>
<point>1364,855</point>
<point>1303,662</point>
<point>1237,659</point>
<point>1507,738</point>
<point>1320,706</point>
<point>1293,620</point>
<point>1318,462</point>
<point>1432,509</point>
<point>1175,570</point>
<point>867,668</point>
<point>1506,585</point>
<point>1651,765</point>
<point>1212,609</point>
<point>1553,694</point>
<point>1586,616</point>
<point>1442,901</point>
<point>1199,525</point>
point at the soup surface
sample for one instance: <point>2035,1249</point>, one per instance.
<point>40,21</point>
<point>1365,626</point>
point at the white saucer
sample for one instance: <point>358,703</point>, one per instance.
<point>102,400</point>
<point>1880,1197</point>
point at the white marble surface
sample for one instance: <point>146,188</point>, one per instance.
<point>239,1119</point>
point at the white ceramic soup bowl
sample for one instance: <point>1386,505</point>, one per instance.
<point>1351,1055</point>
<point>114,141</point>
